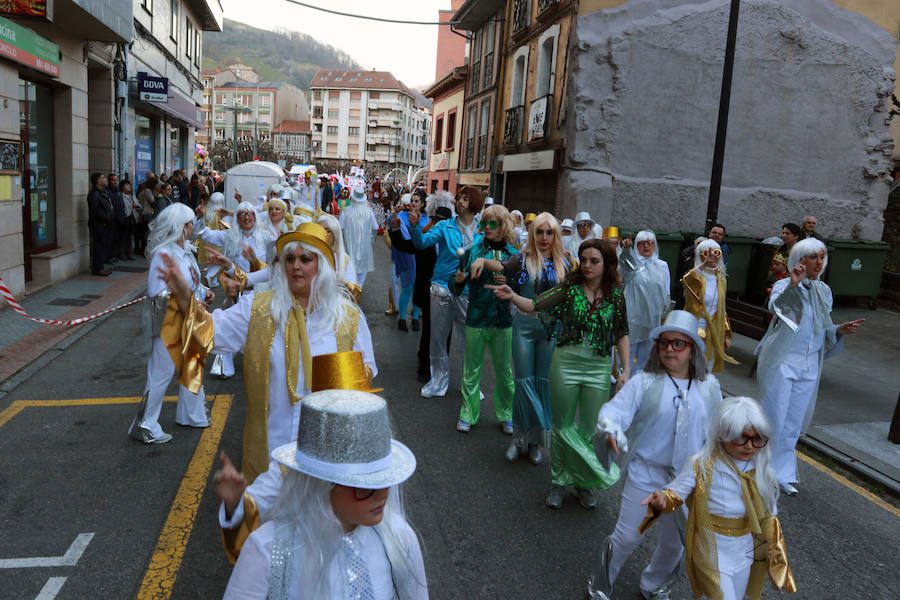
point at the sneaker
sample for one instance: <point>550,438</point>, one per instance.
<point>534,454</point>
<point>415,325</point>
<point>162,439</point>
<point>462,426</point>
<point>512,453</point>
<point>390,311</point>
<point>555,497</point>
<point>428,392</point>
<point>586,497</point>
<point>401,325</point>
<point>508,428</point>
<point>788,490</point>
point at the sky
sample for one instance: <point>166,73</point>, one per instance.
<point>409,52</point>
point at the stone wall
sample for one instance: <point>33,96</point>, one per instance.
<point>808,131</point>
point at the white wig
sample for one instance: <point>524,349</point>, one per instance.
<point>341,258</point>
<point>327,292</point>
<point>283,227</point>
<point>805,248</point>
<point>304,504</point>
<point>645,236</point>
<point>728,422</point>
<point>702,247</point>
<point>439,199</point>
<point>216,202</point>
<point>168,227</point>
<point>233,238</point>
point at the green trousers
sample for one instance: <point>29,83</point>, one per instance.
<point>499,345</point>
<point>579,385</point>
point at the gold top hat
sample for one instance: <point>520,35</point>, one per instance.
<point>610,232</point>
<point>341,371</point>
<point>530,217</point>
<point>307,233</point>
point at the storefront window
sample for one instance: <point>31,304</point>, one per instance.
<point>175,138</point>
<point>38,192</point>
<point>143,147</point>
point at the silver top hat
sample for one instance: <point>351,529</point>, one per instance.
<point>682,322</point>
<point>358,193</point>
<point>582,217</point>
<point>345,437</point>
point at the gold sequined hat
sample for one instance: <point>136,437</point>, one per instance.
<point>341,371</point>
<point>609,233</point>
<point>312,234</point>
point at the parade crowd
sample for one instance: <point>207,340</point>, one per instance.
<point>601,366</point>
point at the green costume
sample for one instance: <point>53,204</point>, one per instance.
<point>488,326</point>
<point>579,379</point>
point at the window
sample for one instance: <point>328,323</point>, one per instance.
<point>220,99</point>
<point>375,95</point>
<point>317,94</point>
<point>438,134</point>
<point>488,54</point>
<point>173,21</point>
<point>470,135</point>
<point>333,113</point>
<point>353,132</point>
<point>355,96</point>
<point>189,37</point>
<point>334,95</point>
<point>147,5</point>
<point>451,131</point>
<point>197,47</point>
<point>520,72</point>
<point>317,112</point>
<point>332,149</point>
<point>265,100</point>
<point>483,133</point>
<point>546,71</point>
<point>332,130</point>
<point>354,113</point>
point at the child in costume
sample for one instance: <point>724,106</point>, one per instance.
<point>730,491</point>
<point>704,297</point>
<point>338,529</point>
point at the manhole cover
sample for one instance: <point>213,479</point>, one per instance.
<point>69,302</point>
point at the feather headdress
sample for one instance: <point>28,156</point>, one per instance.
<point>439,199</point>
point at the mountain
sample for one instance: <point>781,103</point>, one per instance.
<point>282,56</point>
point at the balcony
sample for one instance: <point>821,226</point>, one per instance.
<point>482,151</point>
<point>488,70</point>
<point>475,77</point>
<point>512,128</point>
<point>546,5</point>
<point>470,151</point>
<point>521,15</point>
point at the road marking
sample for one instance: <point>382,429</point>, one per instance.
<point>846,482</point>
<point>16,407</point>
<point>163,569</point>
<point>69,559</point>
<point>51,588</point>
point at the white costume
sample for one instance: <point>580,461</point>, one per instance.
<point>800,336</point>
<point>662,432</point>
<point>231,326</point>
<point>191,409</point>
<point>307,198</point>
<point>256,558</point>
<point>360,229</point>
<point>646,298</point>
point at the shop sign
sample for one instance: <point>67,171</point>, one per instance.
<point>440,161</point>
<point>143,158</point>
<point>28,48</point>
<point>478,179</point>
<point>152,89</point>
<point>529,161</point>
<point>28,8</point>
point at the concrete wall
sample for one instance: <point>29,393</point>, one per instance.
<point>290,105</point>
<point>12,268</point>
<point>808,131</point>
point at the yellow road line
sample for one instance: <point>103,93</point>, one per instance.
<point>846,482</point>
<point>160,576</point>
<point>17,406</point>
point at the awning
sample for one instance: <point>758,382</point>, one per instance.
<point>179,106</point>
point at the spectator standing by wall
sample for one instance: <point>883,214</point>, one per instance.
<point>132,210</point>
<point>100,223</point>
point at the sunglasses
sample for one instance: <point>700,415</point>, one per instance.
<point>713,252</point>
<point>361,494</point>
<point>757,441</point>
<point>490,224</point>
<point>676,345</point>
<point>646,243</point>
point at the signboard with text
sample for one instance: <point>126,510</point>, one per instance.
<point>27,8</point>
<point>28,48</point>
<point>152,89</point>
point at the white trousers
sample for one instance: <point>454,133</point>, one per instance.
<point>735,556</point>
<point>395,288</point>
<point>361,278</point>
<point>191,409</point>
<point>447,310</point>
<point>643,480</point>
<point>785,405</point>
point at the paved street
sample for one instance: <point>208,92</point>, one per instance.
<point>67,468</point>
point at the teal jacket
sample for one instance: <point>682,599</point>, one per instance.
<point>485,310</point>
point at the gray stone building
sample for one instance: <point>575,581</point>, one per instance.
<point>809,127</point>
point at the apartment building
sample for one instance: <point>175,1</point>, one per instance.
<point>292,142</point>
<point>370,117</point>
<point>255,108</point>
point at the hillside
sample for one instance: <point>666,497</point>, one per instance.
<point>281,55</point>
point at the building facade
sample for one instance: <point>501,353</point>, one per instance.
<point>449,95</point>
<point>369,117</point>
<point>169,45</point>
<point>292,142</point>
<point>482,20</point>
<point>531,140</point>
<point>58,85</point>
<point>255,108</point>
<point>211,78</point>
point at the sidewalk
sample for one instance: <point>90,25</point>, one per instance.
<point>23,341</point>
<point>857,395</point>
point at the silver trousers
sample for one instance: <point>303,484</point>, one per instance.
<point>447,310</point>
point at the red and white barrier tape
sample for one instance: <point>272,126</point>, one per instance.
<point>4,291</point>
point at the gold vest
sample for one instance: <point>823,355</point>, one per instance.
<point>718,327</point>
<point>260,335</point>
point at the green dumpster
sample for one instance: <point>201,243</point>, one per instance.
<point>738,266</point>
<point>669,245</point>
<point>855,266</point>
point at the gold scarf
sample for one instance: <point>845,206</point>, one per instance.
<point>294,331</point>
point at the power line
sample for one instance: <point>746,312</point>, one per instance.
<point>366,17</point>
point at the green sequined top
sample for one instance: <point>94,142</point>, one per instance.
<point>600,328</point>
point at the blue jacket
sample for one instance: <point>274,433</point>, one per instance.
<point>448,237</point>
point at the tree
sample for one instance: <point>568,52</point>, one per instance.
<point>222,153</point>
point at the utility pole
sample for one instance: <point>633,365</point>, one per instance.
<point>715,183</point>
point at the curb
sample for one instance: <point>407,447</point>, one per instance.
<point>859,468</point>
